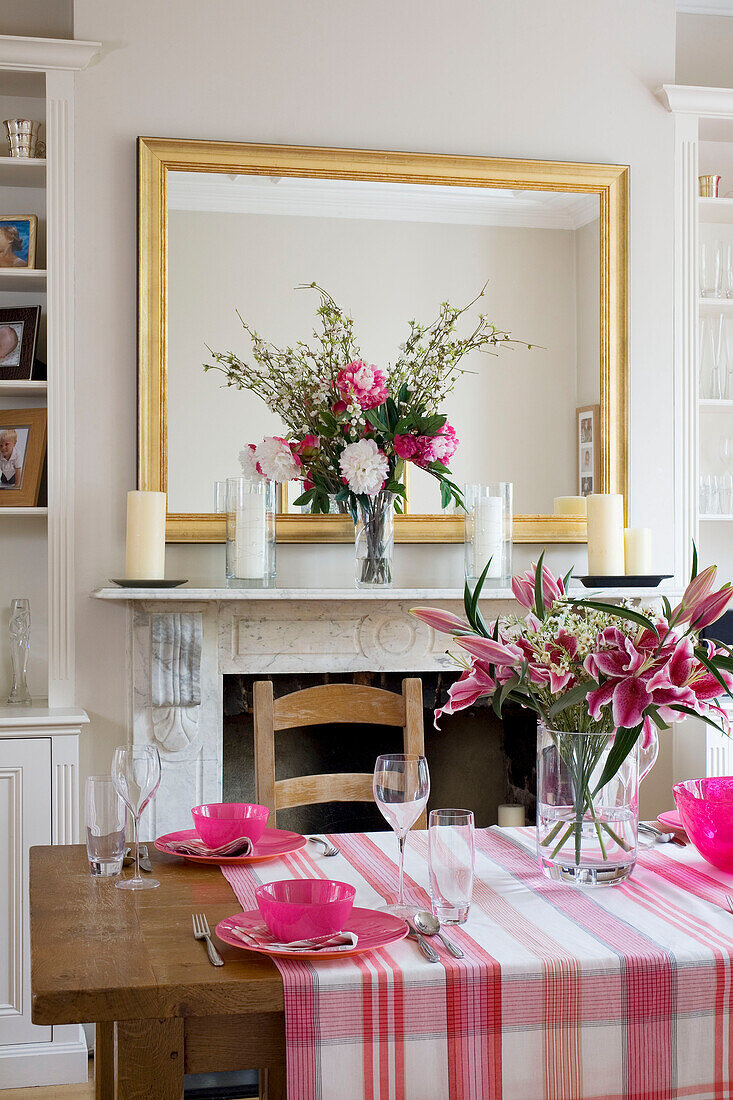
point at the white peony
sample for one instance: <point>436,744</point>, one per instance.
<point>364,466</point>
<point>248,462</point>
<point>275,459</point>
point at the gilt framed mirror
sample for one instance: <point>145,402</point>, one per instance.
<point>233,228</point>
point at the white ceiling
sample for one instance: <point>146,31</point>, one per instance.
<point>377,200</point>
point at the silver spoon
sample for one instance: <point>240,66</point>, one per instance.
<point>430,953</point>
<point>429,925</point>
<point>652,830</point>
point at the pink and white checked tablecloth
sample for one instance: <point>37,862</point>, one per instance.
<point>564,994</point>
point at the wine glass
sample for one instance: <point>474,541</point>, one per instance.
<point>401,789</point>
<point>136,777</point>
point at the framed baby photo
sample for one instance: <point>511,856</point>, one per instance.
<point>588,420</point>
<point>18,339</point>
<point>18,240</point>
<point>22,456</point>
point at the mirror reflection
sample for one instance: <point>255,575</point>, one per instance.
<point>387,253</point>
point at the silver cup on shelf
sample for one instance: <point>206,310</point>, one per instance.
<point>23,138</point>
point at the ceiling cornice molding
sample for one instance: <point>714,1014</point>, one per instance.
<point>42,54</point>
<point>685,99</point>
<point>705,7</point>
<point>383,201</point>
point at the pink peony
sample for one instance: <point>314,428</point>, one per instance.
<point>363,383</point>
<point>307,447</point>
<point>275,459</point>
<point>406,446</point>
<point>437,448</point>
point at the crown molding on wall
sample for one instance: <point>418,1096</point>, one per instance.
<point>383,201</point>
<point>705,7</point>
<point>42,54</point>
<point>686,99</point>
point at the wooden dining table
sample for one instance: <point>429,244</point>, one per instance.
<point>128,962</point>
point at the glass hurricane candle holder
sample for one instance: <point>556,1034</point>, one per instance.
<point>250,553</point>
<point>488,532</point>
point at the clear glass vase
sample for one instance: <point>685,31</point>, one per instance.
<point>250,549</point>
<point>19,629</point>
<point>374,541</point>
<point>585,836</point>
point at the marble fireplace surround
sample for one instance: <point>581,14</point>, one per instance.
<point>266,631</point>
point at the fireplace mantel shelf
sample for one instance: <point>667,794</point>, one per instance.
<point>237,595</point>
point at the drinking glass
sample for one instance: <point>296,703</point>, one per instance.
<point>136,776</point>
<point>707,356</point>
<point>725,494</point>
<point>727,284</point>
<point>401,788</point>
<point>710,269</point>
<point>105,822</point>
<point>704,501</point>
<point>451,858</point>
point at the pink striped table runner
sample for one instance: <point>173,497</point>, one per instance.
<point>564,994</point>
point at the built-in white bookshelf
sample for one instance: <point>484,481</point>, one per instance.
<point>39,748</point>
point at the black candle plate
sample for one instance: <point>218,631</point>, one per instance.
<point>638,580</point>
<point>123,583</point>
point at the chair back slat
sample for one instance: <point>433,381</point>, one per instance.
<point>309,790</point>
<point>328,703</point>
<point>324,705</point>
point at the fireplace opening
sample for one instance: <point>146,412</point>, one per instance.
<point>476,761</point>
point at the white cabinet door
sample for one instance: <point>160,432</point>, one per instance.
<point>25,819</point>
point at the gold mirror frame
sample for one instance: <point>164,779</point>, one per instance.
<point>158,156</point>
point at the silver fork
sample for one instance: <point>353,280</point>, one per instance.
<point>329,849</point>
<point>729,899</point>
<point>201,932</point>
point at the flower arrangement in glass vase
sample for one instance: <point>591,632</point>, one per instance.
<point>351,426</point>
<point>603,679</point>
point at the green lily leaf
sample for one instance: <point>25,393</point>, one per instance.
<point>576,695</point>
<point>539,598</point>
<point>622,746</point>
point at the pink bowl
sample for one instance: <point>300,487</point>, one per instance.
<point>299,909</point>
<point>706,809</point>
<point>219,823</point>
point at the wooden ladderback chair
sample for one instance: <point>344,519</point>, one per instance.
<point>324,705</point>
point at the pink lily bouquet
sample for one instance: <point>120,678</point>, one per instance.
<point>350,426</point>
<point>613,672</point>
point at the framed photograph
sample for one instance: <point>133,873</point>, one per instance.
<point>588,420</point>
<point>18,338</point>
<point>18,240</point>
<point>22,456</point>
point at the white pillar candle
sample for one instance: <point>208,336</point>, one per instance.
<point>638,548</point>
<point>250,536</point>
<point>605,534</point>
<point>511,816</point>
<point>145,552</point>
<point>488,536</point>
<point>570,506</point>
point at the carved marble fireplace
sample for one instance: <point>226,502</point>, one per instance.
<point>255,632</point>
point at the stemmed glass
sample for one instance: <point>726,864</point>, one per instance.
<point>401,789</point>
<point>136,778</point>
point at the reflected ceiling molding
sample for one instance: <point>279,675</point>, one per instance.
<point>319,198</point>
<point>705,7</point>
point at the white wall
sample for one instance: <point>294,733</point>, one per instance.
<point>572,80</point>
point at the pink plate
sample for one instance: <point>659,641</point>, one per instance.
<point>671,820</point>
<point>373,928</point>
<point>272,843</point>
